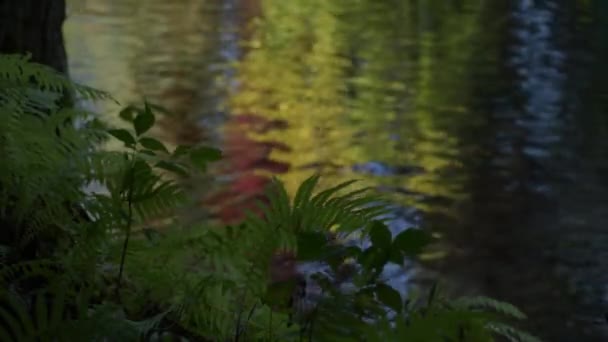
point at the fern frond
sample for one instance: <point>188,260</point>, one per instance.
<point>305,190</point>
<point>18,326</point>
<point>41,169</point>
<point>510,333</point>
<point>14,273</point>
<point>158,200</point>
<point>17,71</point>
<point>58,314</point>
<point>322,211</point>
<point>485,303</point>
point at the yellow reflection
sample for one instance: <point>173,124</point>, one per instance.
<point>362,81</point>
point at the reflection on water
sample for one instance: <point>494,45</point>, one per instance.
<point>484,121</point>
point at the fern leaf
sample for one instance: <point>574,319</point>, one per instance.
<point>24,270</point>
<point>18,70</point>
<point>512,334</point>
<point>489,303</point>
<point>305,191</point>
<point>323,196</point>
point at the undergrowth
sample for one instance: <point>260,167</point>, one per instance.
<point>82,265</point>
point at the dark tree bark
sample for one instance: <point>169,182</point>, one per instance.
<point>34,26</point>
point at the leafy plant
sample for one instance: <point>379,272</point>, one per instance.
<point>54,231</point>
<point>373,308</point>
<point>79,265</point>
<point>57,315</point>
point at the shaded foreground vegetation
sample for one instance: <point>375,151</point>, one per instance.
<point>84,265</point>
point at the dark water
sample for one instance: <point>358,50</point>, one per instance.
<point>486,121</point>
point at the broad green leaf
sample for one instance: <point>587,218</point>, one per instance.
<point>389,296</point>
<point>123,135</point>
<point>144,121</point>
<point>412,241</point>
<point>152,144</point>
<point>128,113</point>
<point>201,156</point>
<point>380,235</point>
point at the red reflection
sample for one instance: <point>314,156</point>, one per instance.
<point>243,158</point>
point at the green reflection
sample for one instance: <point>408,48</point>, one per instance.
<point>425,87</point>
<point>362,81</point>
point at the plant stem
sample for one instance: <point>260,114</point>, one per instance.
<point>128,226</point>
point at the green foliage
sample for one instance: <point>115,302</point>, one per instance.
<point>489,303</point>
<point>31,87</point>
<point>366,310</point>
<point>42,154</point>
<point>99,273</point>
<point>56,316</point>
<point>43,208</point>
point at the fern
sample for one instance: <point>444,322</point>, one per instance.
<point>485,303</point>
<point>15,273</point>
<point>57,315</point>
<point>18,73</point>
<point>283,219</point>
<point>240,271</point>
<point>511,333</point>
<point>324,210</point>
<point>40,176</point>
<point>208,281</point>
<point>45,162</point>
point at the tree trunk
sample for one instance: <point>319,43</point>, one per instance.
<point>35,27</point>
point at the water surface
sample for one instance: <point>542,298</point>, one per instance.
<point>484,121</point>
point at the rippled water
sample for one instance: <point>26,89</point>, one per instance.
<point>485,121</point>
